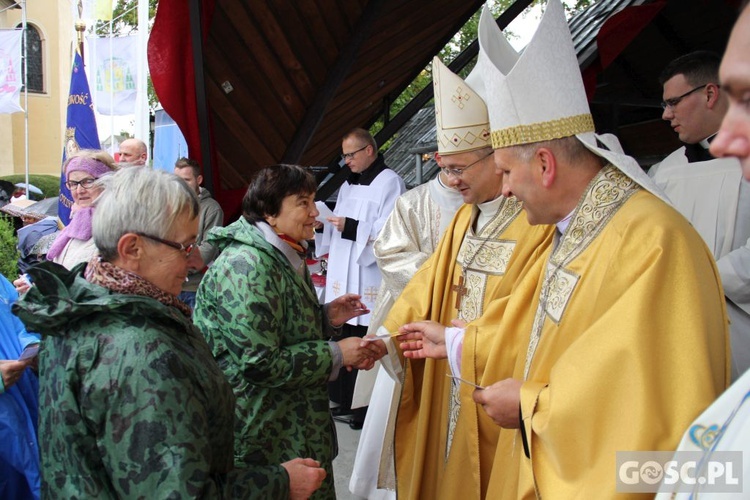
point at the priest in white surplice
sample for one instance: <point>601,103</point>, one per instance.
<point>364,202</point>
<point>709,191</point>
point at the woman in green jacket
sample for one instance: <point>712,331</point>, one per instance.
<point>132,404</point>
<point>258,310</point>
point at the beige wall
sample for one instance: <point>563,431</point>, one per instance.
<point>53,19</point>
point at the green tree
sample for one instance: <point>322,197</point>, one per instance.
<point>460,41</point>
<point>8,250</point>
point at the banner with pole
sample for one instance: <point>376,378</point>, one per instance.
<point>11,74</point>
<point>80,129</point>
<point>114,75</point>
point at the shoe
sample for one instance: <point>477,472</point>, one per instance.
<point>342,418</point>
<point>340,411</point>
<point>356,425</point>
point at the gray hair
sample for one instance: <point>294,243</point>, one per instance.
<point>139,199</point>
<point>569,149</point>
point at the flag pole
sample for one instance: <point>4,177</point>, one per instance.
<point>111,92</point>
<point>142,118</point>
<point>25,97</point>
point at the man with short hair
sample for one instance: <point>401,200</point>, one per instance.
<point>133,152</point>
<point>364,202</point>
<point>629,338</point>
<point>730,414</point>
<point>211,215</point>
<point>733,138</point>
<point>709,191</point>
<point>484,253</point>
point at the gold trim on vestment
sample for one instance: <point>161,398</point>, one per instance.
<point>542,131</point>
<point>606,193</point>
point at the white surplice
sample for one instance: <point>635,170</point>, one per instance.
<point>351,263</point>
<point>714,198</point>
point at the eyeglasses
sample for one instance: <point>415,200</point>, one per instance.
<point>177,246</point>
<point>85,183</point>
<point>457,172</point>
<point>674,101</point>
<point>349,156</point>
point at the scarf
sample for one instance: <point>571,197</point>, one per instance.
<point>118,280</point>
<point>297,246</point>
<point>78,229</point>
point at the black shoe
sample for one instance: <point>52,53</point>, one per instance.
<point>356,425</point>
<point>340,411</point>
<point>344,419</point>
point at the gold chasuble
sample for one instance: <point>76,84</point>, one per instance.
<point>469,269</point>
<point>629,344</point>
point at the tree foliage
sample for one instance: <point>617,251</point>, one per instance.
<point>460,41</point>
<point>8,249</point>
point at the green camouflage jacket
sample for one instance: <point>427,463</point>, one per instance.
<point>266,329</point>
<point>132,405</point>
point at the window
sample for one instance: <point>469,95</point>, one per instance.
<point>34,57</point>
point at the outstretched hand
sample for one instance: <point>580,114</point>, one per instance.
<point>423,339</point>
<point>344,308</point>
<point>305,476</point>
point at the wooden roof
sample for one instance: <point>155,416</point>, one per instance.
<point>305,72</point>
<point>285,79</point>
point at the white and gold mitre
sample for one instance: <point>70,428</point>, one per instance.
<point>542,96</point>
<point>460,113</point>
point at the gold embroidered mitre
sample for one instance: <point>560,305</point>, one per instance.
<point>460,113</point>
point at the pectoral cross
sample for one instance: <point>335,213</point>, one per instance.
<point>460,290</point>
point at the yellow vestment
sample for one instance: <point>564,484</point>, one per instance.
<point>629,345</point>
<point>492,260</point>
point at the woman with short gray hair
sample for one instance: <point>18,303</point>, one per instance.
<point>132,404</point>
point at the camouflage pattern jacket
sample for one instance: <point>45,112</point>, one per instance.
<point>266,329</point>
<point>132,405</point>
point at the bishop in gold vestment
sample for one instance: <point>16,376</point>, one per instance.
<point>629,344</point>
<point>494,258</point>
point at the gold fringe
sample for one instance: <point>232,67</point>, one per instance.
<point>543,131</point>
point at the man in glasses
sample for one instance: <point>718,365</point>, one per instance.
<point>485,251</point>
<point>364,202</point>
<point>709,191</point>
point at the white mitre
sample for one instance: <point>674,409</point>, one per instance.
<point>460,113</point>
<point>541,97</point>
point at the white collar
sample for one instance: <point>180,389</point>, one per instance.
<point>563,224</point>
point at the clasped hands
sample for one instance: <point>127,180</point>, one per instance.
<point>501,400</point>
<point>357,353</point>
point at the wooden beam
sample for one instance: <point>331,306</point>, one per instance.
<point>196,29</point>
<point>466,56</point>
<point>335,78</point>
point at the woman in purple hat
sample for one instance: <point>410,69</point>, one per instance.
<point>74,244</point>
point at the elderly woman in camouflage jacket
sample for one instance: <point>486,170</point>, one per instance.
<point>259,312</point>
<point>132,404</point>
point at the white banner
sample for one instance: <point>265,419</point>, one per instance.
<point>95,9</point>
<point>113,73</point>
<point>11,77</point>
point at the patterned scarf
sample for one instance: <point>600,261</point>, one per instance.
<point>292,243</point>
<point>119,280</point>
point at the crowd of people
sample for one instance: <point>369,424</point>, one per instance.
<point>539,307</point>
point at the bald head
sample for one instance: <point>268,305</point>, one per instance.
<point>133,151</point>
